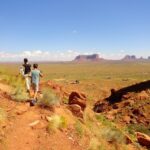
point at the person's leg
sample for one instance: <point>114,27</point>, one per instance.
<point>36,89</point>
<point>27,83</point>
<point>35,95</point>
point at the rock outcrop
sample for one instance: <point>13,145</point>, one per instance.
<point>129,58</point>
<point>93,57</point>
<point>143,139</point>
<point>77,103</point>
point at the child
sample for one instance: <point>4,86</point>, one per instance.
<point>27,73</point>
<point>35,78</point>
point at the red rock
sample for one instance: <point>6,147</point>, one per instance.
<point>143,139</point>
<point>128,103</point>
<point>136,112</point>
<point>142,96</point>
<point>100,107</point>
<point>115,106</point>
<point>78,98</point>
<point>76,110</point>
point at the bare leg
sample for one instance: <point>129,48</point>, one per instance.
<point>35,94</point>
<point>27,83</point>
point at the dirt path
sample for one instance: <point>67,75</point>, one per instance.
<point>19,135</point>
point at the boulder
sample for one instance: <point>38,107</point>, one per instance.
<point>78,98</point>
<point>76,110</point>
<point>143,139</point>
<point>100,107</point>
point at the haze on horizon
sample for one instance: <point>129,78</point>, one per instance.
<point>60,30</point>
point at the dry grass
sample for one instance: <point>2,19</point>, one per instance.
<point>48,99</point>
<point>96,80</point>
<point>56,122</point>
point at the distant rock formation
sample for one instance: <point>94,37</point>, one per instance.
<point>129,58</point>
<point>148,58</point>
<point>93,57</point>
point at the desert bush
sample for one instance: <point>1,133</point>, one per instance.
<point>110,132</point>
<point>96,145</point>
<point>132,128</point>
<point>113,135</point>
<point>56,122</point>
<point>104,121</point>
<point>79,128</point>
<point>65,100</point>
<point>20,94</point>
<point>48,99</point>
<point>19,91</point>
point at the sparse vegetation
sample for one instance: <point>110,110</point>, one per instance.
<point>79,128</point>
<point>132,128</point>
<point>48,99</point>
<point>56,122</point>
<point>95,145</point>
<point>96,80</point>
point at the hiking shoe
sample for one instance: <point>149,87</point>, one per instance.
<point>33,102</point>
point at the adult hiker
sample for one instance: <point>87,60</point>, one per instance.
<point>27,74</point>
<point>35,79</point>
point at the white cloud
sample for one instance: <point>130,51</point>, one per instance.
<point>39,55</point>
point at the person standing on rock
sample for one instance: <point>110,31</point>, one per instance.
<point>35,79</point>
<point>27,74</point>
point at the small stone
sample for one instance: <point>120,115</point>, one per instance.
<point>126,119</point>
<point>34,123</point>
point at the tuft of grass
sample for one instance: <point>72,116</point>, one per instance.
<point>132,128</point>
<point>48,99</point>
<point>102,119</point>
<point>113,135</point>
<point>56,122</point>
<point>96,145</point>
<point>19,91</point>
<point>20,94</point>
<point>79,128</point>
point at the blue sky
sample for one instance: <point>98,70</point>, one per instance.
<point>62,28</point>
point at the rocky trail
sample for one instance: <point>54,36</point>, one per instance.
<point>25,127</point>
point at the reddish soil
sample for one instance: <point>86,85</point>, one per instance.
<point>18,135</point>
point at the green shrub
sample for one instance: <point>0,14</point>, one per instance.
<point>48,99</point>
<point>20,94</point>
<point>102,119</point>
<point>96,145</point>
<point>56,122</point>
<point>113,135</point>
<point>132,128</point>
<point>19,91</point>
<point>79,128</point>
